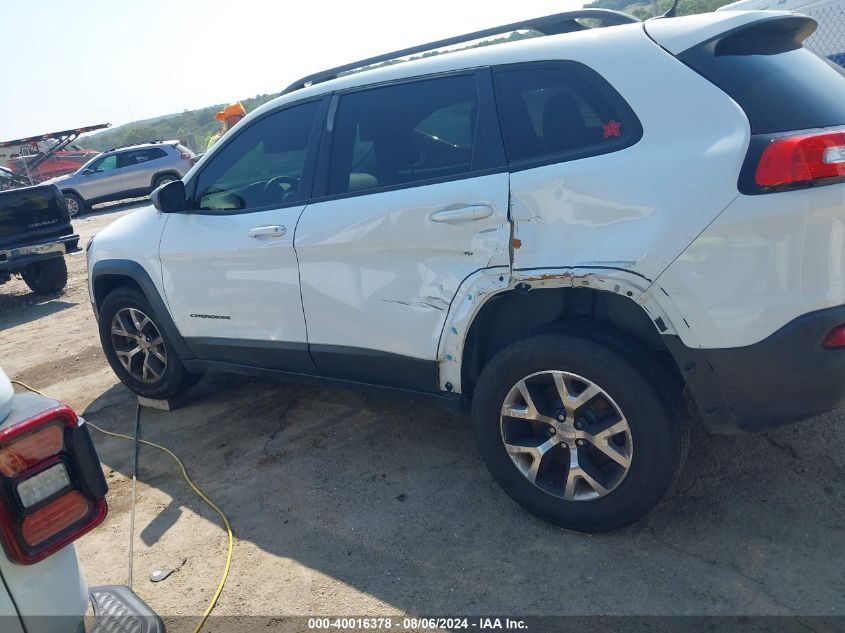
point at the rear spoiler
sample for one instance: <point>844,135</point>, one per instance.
<point>677,35</point>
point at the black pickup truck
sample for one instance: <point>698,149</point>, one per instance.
<point>35,235</point>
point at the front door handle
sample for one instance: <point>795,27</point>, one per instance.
<point>474,212</point>
<point>267,231</point>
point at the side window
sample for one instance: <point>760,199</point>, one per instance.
<point>146,155</point>
<point>107,163</point>
<point>402,134</point>
<point>563,109</point>
<point>261,166</point>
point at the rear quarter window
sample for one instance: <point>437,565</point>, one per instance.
<point>557,111</point>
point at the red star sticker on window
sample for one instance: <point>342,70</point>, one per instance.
<point>612,128</point>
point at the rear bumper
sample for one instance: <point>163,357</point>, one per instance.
<point>15,259</point>
<point>787,377</point>
<point>118,610</point>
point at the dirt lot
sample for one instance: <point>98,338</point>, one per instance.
<point>346,504</point>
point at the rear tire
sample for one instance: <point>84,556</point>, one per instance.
<point>137,346</point>
<point>75,204</point>
<point>593,465</point>
<point>163,180</point>
<point>46,276</point>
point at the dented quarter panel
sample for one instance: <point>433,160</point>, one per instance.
<point>482,286</point>
<point>765,261</point>
<point>610,211</point>
<point>378,271</point>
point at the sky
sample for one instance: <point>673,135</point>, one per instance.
<point>71,63</point>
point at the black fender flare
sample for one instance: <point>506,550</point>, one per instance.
<point>133,271</point>
<point>74,192</point>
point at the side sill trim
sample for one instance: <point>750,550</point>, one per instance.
<point>454,403</point>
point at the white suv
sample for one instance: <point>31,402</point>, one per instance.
<point>565,235</point>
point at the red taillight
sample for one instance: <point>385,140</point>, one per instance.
<point>53,518</point>
<point>802,159</point>
<point>24,453</point>
<point>51,485</point>
<point>835,339</point>
<point>185,156</point>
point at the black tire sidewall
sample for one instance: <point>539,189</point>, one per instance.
<point>160,180</point>
<point>656,437</point>
<point>174,374</point>
<point>46,276</point>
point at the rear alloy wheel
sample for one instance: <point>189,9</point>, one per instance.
<point>586,432</point>
<point>582,451</point>
<point>75,204</point>
<point>137,347</point>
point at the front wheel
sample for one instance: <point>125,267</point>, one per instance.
<point>577,432</point>
<point>46,276</point>
<point>137,347</point>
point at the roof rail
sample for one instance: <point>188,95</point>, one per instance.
<point>155,142</point>
<point>547,25</point>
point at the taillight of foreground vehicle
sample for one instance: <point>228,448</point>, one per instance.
<point>802,159</point>
<point>52,489</point>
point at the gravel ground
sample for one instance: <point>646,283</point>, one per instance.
<point>347,504</point>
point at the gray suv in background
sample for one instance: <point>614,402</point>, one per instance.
<point>125,172</point>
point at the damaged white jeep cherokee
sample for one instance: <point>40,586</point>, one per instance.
<point>567,234</point>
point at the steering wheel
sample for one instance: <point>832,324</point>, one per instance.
<point>279,182</point>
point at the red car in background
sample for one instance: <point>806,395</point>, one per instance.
<point>39,158</point>
<point>62,162</point>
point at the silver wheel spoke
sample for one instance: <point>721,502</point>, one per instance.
<point>572,402</point>
<point>120,328</point>
<point>126,356</point>
<point>536,453</point>
<point>577,474</point>
<point>528,411</point>
<point>139,322</point>
<point>601,441</point>
<point>149,372</point>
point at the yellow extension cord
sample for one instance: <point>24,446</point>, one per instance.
<point>194,487</point>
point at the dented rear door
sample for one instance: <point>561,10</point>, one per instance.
<point>412,203</point>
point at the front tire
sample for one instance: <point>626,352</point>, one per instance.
<point>137,347</point>
<point>584,433</point>
<point>46,276</point>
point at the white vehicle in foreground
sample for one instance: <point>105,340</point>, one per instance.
<point>564,234</point>
<point>52,491</point>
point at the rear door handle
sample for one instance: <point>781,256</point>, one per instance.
<point>474,212</point>
<point>267,231</point>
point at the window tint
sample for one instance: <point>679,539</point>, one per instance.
<point>262,165</point>
<point>143,155</point>
<point>105,164</point>
<point>562,109</point>
<point>402,134</point>
<point>780,85</point>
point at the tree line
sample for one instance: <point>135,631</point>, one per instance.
<point>192,127</point>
